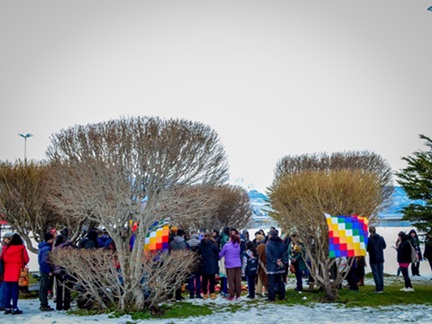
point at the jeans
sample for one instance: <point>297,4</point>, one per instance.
<point>224,285</point>
<point>45,285</point>
<point>2,294</point>
<point>195,285</point>
<point>275,281</point>
<point>406,277</point>
<point>12,293</point>
<point>251,285</point>
<point>299,277</point>
<point>378,274</point>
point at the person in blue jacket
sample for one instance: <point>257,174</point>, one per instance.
<point>46,270</point>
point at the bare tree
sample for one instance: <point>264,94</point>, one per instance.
<point>23,200</point>
<point>124,170</point>
<point>98,280</point>
<point>301,195</point>
<point>233,209</point>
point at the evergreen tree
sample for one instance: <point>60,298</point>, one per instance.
<point>416,180</point>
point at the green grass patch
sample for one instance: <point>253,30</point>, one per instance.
<point>365,297</point>
<point>177,310</point>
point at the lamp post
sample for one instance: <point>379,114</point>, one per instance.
<point>25,144</point>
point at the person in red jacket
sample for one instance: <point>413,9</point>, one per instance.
<point>14,257</point>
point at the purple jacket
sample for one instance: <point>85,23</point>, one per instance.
<point>231,252</point>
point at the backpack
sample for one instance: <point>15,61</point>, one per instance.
<point>251,266</point>
<point>414,256</point>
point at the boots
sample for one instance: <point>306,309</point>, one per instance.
<point>205,296</point>
<point>361,282</point>
<point>311,286</point>
<point>213,296</point>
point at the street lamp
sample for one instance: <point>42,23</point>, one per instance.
<point>25,144</point>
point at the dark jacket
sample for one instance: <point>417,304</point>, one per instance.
<point>275,249</point>
<point>375,247</point>
<point>209,252</point>
<point>178,243</point>
<point>43,254</point>
<point>404,252</point>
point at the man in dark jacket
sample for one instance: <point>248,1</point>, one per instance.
<point>46,271</point>
<point>277,256</point>
<point>178,243</point>
<point>375,247</point>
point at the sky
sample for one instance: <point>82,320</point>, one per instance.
<point>272,78</point>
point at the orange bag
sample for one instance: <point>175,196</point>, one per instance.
<point>23,280</point>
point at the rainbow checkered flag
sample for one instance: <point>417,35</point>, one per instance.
<point>348,235</point>
<point>158,237</point>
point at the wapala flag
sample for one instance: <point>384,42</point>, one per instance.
<point>348,235</point>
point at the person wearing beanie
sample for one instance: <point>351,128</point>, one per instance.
<point>4,243</point>
<point>46,270</point>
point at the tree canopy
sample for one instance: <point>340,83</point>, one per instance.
<point>416,180</point>
<point>307,186</point>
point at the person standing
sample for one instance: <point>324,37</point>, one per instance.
<point>250,267</point>
<point>15,257</point>
<point>231,252</point>
<point>262,269</point>
<point>46,270</point>
<point>4,244</point>
<point>404,259</point>
<point>276,258</point>
<point>63,280</point>
<point>427,254</point>
<point>178,243</point>
<point>296,252</point>
<point>375,248</point>
<point>225,234</point>
<point>209,251</point>
<point>415,242</point>
<point>194,284</point>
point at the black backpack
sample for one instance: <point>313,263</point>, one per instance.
<point>251,265</point>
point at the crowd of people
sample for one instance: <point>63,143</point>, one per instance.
<point>225,258</point>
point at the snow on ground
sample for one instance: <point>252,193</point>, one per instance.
<point>258,311</point>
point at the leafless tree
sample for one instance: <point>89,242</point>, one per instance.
<point>126,169</point>
<point>23,200</point>
<point>304,192</point>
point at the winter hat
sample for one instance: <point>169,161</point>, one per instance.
<point>48,236</point>
<point>8,235</point>
<point>273,232</point>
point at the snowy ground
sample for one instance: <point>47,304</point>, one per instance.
<point>250,312</point>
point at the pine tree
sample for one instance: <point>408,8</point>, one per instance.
<point>416,180</point>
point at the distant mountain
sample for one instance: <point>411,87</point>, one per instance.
<point>400,200</point>
<point>260,208</point>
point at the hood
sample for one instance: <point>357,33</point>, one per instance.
<point>44,244</point>
<point>193,242</point>
<point>178,239</point>
<point>275,239</point>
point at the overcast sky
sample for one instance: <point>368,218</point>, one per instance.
<point>273,78</point>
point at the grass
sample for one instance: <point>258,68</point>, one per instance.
<point>346,298</point>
